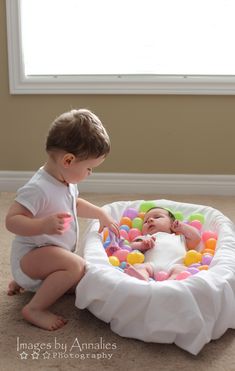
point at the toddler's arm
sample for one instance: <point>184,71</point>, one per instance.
<point>21,221</point>
<point>86,209</point>
<point>191,234</point>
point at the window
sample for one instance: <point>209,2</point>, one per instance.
<point>121,47</point>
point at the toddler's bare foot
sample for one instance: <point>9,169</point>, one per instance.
<point>139,273</point>
<point>14,288</point>
<point>43,318</point>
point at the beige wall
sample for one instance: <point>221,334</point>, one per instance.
<point>149,133</point>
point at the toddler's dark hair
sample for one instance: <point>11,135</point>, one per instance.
<point>79,132</point>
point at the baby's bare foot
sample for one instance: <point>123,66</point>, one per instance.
<point>43,318</point>
<point>139,273</point>
<point>14,288</point>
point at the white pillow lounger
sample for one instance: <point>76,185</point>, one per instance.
<point>189,312</point>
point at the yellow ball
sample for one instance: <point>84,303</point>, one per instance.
<point>135,257</point>
<point>192,257</point>
<point>114,261</point>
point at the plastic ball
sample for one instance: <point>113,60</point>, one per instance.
<point>141,215</point>
<point>107,242</point>
<point>130,213</point>
<point>193,270</point>
<point>121,254</point>
<point>210,243</point>
<point>146,206</point>
<point>124,227</point>
<point>123,265</point>
<point>114,261</point>
<point>197,216</point>
<point>161,276</point>
<point>178,215</point>
<point>105,234</point>
<point>126,247</point>
<point>208,251</point>
<point>124,234</point>
<point>196,224</point>
<point>183,275</point>
<point>192,256</point>
<point>137,223</point>
<point>111,250</point>
<point>203,268</point>
<point>206,259</point>
<point>135,257</point>
<point>209,234</point>
<point>133,233</point>
<point>195,265</point>
<point>126,221</point>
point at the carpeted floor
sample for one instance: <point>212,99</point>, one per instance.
<point>87,343</point>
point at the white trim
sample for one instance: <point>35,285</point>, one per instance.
<point>124,183</point>
<point>106,84</point>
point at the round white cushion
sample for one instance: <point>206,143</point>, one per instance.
<point>188,313</point>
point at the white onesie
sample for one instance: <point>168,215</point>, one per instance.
<point>169,250</point>
<point>44,195</point>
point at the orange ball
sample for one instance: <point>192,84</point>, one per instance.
<point>208,251</point>
<point>126,221</point>
<point>105,234</point>
<point>210,243</point>
<point>203,267</point>
<point>141,215</point>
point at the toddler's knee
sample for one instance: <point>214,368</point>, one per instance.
<point>77,268</point>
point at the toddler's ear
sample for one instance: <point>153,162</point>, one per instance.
<point>68,159</point>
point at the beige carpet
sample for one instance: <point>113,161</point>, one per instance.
<point>83,330</point>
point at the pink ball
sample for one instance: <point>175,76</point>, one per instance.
<point>196,224</point>
<point>130,213</point>
<point>121,254</point>
<point>161,276</point>
<point>124,234</point>
<point>183,275</point>
<point>209,234</point>
<point>133,233</point>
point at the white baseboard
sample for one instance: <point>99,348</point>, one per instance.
<point>10,181</point>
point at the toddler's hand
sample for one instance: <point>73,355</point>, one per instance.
<point>56,224</point>
<point>107,221</point>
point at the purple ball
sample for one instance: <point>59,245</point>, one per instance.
<point>206,259</point>
<point>193,270</point>
<point>130,213</point>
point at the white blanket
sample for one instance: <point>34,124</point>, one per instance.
<point>188,313</point>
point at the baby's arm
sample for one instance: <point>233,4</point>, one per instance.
<point>86,209</point>
<point>191,234</point>
<point>143,244</point>
<point>21,221</point>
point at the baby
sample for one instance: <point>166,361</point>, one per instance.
<point>165,241</point>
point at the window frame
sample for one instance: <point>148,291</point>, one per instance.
<point>105,84</point>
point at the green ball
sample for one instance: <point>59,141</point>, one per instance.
<point>137,223</point>
<point>197,216</point>
<point>178,215</point>
<point>146,206</point>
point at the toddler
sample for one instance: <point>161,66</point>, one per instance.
<point>44,216</point>
<point>164,242</point>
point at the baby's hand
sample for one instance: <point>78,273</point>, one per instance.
<point>143,245</point>
<point>56,224</point>
<point>177,226</point>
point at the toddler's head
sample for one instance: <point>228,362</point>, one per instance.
<point>79,132</point>
<point>157,219</point>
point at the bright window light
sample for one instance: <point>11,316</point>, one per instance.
<point>138,46</point>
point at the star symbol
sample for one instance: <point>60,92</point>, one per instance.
<point>46,355</point>
<point>35,355</point>
<point>23,355</point>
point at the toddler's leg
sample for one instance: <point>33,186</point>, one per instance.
<point>141,271</point>
<point>60,270</point>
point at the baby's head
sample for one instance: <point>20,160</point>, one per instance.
<point>157,219</point>
<point>79,132</point>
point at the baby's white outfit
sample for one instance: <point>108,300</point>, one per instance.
<point>43,196</point>
<point>169,250</point>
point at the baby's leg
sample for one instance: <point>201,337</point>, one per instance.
<point>141,271</point>
<point>14,288</point>
<point>60,270</point>
<point>175,270</point>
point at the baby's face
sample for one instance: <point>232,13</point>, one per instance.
<point>157,220</point>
